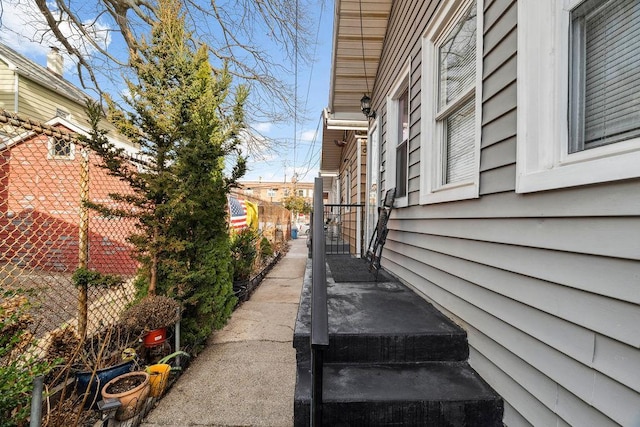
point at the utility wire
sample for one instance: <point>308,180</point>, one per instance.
<point>315,47</point>
<point>364,61</point>
<point>295,95</point>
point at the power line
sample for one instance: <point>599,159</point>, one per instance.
<point>295,94</point>
<point>315,47</point>
<point>364,61</point>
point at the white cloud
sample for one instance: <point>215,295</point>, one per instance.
<point>308,135</point>
<point>263,127</point>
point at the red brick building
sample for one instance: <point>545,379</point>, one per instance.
<point>40,205</point>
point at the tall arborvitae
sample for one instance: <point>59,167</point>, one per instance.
<point>186,119</point>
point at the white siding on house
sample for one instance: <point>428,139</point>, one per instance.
<point>40,103</point>
<point>546,284</point>
<point>6,88</point>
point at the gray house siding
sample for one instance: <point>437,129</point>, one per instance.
<point>546,284</point>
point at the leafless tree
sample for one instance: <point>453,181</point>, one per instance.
<point>260,40</point>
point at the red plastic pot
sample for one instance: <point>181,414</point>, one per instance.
<point>155,337</point>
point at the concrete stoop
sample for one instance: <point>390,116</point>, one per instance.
<point>393,359</point>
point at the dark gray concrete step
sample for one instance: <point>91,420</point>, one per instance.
<point>425,394</point>
<point>383,322</point>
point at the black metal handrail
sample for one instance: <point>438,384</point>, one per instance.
<point>319,313</point>
<point>344,228</point>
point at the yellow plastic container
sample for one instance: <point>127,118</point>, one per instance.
<point>159,375</point>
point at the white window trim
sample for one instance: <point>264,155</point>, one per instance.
<point>543,162</point>
<point>347,189</point>
<point>52,156</point>
<point>403,82</point>
<point>373,164</point>
<point>431,157</point>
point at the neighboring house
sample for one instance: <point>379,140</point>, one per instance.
<point>272,191</point>
<point>275,192</point>
<point>509,129</point>
<point>40,184</point>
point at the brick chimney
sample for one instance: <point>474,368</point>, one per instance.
<point>54,61</point>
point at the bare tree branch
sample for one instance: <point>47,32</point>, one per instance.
<point>257,39</point>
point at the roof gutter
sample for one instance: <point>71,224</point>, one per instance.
<point>344,124</point>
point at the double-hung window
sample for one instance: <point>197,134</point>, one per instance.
<point>578,85</point>
<point>402,142</point>
<point>451,136</point>
<point>398,117</point>
<point>347,189</point>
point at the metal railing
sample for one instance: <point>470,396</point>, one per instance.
<point>344,225</point>
<point>319,314</point>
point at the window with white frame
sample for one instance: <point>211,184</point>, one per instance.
<point>451,103</point>
<point>398,115</point>
<point>605,57</point>
<point>578,109</point>
<point>347,189</point>
<point>271,192</point>
<point>402,143</point>
<point>59,148</point>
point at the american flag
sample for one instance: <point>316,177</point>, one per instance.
<point>237,213</point>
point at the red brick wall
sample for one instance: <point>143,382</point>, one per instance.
<point>40,212</point>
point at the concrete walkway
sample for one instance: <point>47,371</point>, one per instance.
<point>246,375</point>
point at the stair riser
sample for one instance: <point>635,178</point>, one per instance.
<point>388,349</point>
<point>432,414</point>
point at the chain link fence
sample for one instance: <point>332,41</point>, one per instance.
<point>47,232</point>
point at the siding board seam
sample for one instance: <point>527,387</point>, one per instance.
<point>499,17</point>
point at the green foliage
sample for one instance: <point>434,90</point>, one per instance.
<point>206,292</point>
<point>17,367</point>
<point>83,277</point>
<point>186,116</point>
<point>296,204</point>
<point>244,252</point>
<point>266,250</point>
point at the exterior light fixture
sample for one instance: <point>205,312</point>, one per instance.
<point>365,106</point>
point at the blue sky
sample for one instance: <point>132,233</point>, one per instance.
<point>301,157</point>
<point>313,96</point>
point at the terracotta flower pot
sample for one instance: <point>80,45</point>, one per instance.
<point>158,377</point>
<point>131,389</point>
<point>88,382</point>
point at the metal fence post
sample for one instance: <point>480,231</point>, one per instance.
<point>36,401</point>
<point>83,241</point>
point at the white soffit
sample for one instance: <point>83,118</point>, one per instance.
<point>359,30</point>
